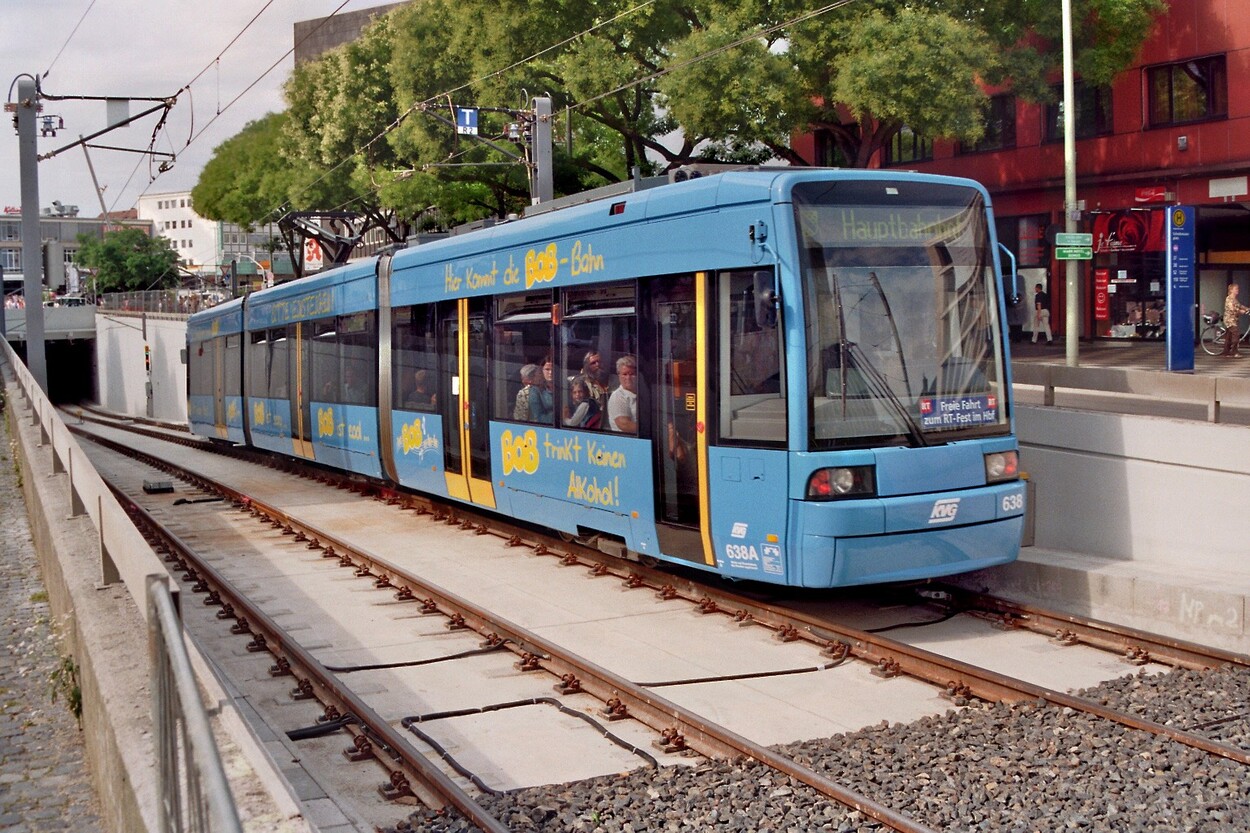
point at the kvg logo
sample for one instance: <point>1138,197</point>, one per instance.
<point>944,510</point>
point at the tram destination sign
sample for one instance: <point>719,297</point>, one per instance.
<point>1074,253</point>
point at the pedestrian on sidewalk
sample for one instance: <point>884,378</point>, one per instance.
<point>1232,310</point>
<point>1041,314</point>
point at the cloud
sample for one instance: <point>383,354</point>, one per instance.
<point>144,48</point>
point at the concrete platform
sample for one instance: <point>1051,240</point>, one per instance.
<point>1205,606</point>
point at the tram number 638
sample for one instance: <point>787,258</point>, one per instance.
<point>1013,503</point>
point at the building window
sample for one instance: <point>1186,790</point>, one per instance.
<point>908,146</point>
<point>1093,112</point>
<point>1188,91</point>
<point>1000,126</point>
<point>829,153</point>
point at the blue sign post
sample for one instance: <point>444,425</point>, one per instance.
<point>1180,271</point>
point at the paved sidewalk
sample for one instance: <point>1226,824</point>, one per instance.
<point>44,781</point>
<point>1133,355</point>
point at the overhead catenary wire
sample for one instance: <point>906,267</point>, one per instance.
<point>422,104</point>
<point>802,18</point>
<point>73,32</point>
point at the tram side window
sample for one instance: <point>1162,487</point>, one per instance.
<point>233,371</point>
<point>258,364</point>
<point>324,354</point>
<point>279,364</point>
<point>200,380</point>
<point>358,340</point>
<point>522,372</point>
<point>414,358</point>
<point>598,327</point>
<point>751,384</point>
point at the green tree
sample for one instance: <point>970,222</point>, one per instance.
<point>865,70</point>
<point>654,85</point>
<point>129,260</point>
<point>247,178</point>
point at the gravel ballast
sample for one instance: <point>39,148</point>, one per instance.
<point>1028,767</point>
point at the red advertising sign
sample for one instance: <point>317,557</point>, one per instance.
<point>1129,231</point>
<point>1102,300</point>
<point>1152,193</point>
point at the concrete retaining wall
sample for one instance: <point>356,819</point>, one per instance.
<point>122,378</point>
<point>1138,488</point>
<point>104,633</point>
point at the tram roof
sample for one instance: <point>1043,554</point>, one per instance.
<point>723,190</point>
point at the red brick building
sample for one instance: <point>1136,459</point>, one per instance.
<point>1173,129</point>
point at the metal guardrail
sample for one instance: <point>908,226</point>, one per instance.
<point>124,553</point>
<point>192,788</point>
<point>191,781</point>
<point>1212,391</point>
<point>166,301</point>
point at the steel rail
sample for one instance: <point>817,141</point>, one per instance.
<point>433,787</point>
<point>679,727</point>
<point>956,678</point>
<point>1137,645</point>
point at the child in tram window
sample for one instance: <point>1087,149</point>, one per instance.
<point>586,412</point>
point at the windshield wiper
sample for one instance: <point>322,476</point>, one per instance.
<point>880,387</point>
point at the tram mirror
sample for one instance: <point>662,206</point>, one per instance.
<point>765,291</point>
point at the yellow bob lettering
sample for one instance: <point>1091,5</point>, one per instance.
<point>519,453</point>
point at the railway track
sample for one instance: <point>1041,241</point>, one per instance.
<point>680,728</point>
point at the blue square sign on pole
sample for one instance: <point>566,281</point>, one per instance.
<point>1180,293</point>
<point>466,121</point>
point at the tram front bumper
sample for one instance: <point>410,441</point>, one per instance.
<point>909,538</point>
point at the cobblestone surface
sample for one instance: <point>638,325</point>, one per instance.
<point>44,781</point>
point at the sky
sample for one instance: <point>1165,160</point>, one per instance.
<point>144,48</point>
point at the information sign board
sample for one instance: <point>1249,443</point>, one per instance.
<point>1074,239</point>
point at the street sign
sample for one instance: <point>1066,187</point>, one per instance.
<point>1073,253</point>
<point>466,121</point>
<point>1074,239</point>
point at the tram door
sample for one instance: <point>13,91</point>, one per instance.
<point>672,362</point>
<point>301,385</point>
<point>217,346</point>
<point>464,400</point>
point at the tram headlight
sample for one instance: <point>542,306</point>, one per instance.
<point>1002,465</point>
<point>841,482</point>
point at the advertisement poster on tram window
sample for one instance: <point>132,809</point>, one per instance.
<point>958,411</point>
<point>1180,290</point>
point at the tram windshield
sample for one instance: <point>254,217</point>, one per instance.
<point>903,337</point>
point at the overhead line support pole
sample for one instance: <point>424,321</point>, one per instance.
<point>32,247</point>
<point>1070,210</point>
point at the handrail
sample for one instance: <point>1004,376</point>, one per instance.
<point>191,780</point>
<point>124,554</point>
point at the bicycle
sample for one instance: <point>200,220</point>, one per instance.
<point>1213,334</point>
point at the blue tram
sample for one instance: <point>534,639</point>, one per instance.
<point>791,376</point>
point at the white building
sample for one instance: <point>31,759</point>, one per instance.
<point>205,247</point>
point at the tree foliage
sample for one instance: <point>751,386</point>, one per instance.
<point>244,180</point>
<point>129,260</point>
<point>649,85</point>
